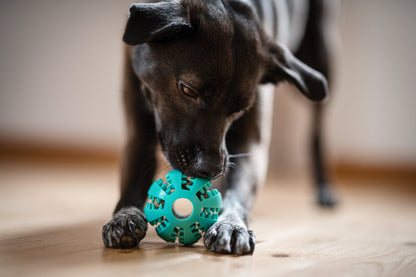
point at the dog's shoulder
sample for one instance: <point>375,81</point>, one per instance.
<point>283,20</point>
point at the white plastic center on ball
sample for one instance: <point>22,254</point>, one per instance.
<point>182,208</point>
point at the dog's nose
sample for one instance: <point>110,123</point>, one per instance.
<point>209,169</point>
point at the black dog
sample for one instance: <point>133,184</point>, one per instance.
<point>194,79</point>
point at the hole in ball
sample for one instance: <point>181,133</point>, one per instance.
<point>182,208</point>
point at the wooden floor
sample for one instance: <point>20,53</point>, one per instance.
<point>51,217</point>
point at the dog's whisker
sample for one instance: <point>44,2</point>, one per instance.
<point>166,169</point>
<point>150,169</point>
<point>231,165</point>
<point>241,155</point>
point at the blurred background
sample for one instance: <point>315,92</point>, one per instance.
<point>62,132</point>
<point>60,86</point>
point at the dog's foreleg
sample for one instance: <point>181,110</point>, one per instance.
<point>128,225</point>
<point>248,138</point>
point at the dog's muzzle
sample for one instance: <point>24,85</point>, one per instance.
<point>195,162</point>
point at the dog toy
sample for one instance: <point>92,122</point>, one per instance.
<point>160,210</point>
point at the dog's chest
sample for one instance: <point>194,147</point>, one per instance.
<point>283,20</point>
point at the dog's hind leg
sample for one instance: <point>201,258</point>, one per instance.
<point>128,225</point>
<point>315,51</point>
<point>248,139</point>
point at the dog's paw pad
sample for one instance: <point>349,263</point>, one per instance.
<point>126,229</point>
<point>229,238</point>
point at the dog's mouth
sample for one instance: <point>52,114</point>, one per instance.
<point>206,167</point>
<point>194,162</point>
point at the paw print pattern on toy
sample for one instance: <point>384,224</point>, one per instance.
<point>162,195</point>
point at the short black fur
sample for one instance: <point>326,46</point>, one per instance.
<point>219,49</point>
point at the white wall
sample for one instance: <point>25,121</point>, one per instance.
<point>372,109</point>
<point>376,100</point>
<point>60,64</point>
<point>60,70</point>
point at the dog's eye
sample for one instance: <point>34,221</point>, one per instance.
<point>188,91</point>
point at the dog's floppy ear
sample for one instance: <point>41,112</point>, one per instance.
<point>155,22</point>
<point>282,65</point>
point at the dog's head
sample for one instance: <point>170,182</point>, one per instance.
<point>200,63</point>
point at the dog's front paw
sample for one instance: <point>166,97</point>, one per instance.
<point>229,238</point>
<point>127,228</point>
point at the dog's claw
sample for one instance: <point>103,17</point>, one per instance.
<point>126,229</point>
<point>132,226</point>
<point>229,238</point>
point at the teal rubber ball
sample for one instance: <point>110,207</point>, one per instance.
<point>171,225</point>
